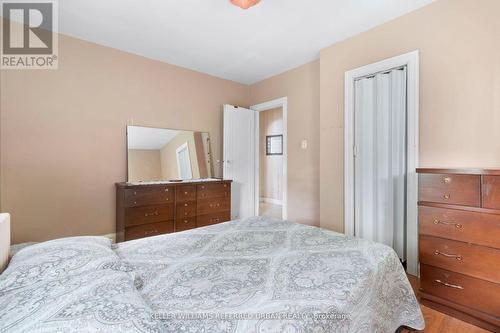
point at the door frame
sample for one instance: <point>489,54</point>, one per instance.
<point>411,61</point>
<point>276,103</point>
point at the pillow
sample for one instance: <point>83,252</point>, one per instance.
<point>94,301</point>
<point>55,259</point>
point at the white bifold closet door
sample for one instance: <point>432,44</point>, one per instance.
<point>380,159</point>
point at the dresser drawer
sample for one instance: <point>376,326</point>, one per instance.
<point>461,289</point>
<point>451,189</point>
<point>473,260</point>
<point>148,214</point>
<point>185,193</point>
<point>213,205</point>
<point>491,192</point>
<point>142,196</point>
<point>185,224</point>
<point>460,225</point>
<point>218,190</point>
<point>214,218</point>
<point>148,230</point>
<point>185,209</point>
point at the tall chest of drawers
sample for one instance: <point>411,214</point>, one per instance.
<point>153,209</point>
<point>459,243</point>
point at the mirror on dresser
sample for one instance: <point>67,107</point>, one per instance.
<point>159,154</point>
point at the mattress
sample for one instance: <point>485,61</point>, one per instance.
<point>252,275</point>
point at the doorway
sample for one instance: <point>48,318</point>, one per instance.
<point>271,158</point>
<point>381,154</point>
<point>271,163</point>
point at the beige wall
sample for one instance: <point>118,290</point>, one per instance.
<point>144,165</point>
<point>301,86</point>
<point>459,89</point>
<point>63,132</point>
<point>271,167</point>
<point>168,154</point>
<point>64,146</point>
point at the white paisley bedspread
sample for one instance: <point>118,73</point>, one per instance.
<point>255,275</point>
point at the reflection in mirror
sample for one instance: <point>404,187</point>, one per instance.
<point>156,154</point>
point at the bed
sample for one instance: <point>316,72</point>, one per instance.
<point>252,275</point>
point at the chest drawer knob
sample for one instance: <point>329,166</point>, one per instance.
<point>446,196</point>
<point>456,225</point>
<point>455,256</point>
<point>186,221</point>
<point>166,190</point>
<point>185,205</point>
<point>167,199</point>
<point>446,180</point>
<point>185,193</point>
<point>456,286</point>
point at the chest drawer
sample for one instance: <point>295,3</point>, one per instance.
<point>148,230</point>
<point>141,196</point>
<point>491,192</point>
<point>213,205</point>
<point>465,226</point>
<point>185,193</point>
<point>451,189</point>
<point>148,214</point>
<point>185,224</point>
<point>185,209</point>
<point>214,218</point>
<point>473,260</point>
<point>461,289</point>
<point>207,191</point>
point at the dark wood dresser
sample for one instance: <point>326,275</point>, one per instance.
<point>459,243</point>
<point>149,210</point>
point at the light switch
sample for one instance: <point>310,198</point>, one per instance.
<point>303,144</point>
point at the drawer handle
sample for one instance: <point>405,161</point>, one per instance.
<point>186,193</point>
<point>152,214</point>
<point>457,225</point>
<point>447,180</point>
<point>166,190</point>
<point>203,187</point>
<point>449,285</point>
<point>446,196</point>
<point>150,232</point>
<point>456,256</point>
<point>186,221</point>
<point>225,185</point>
<point>167,199</point>
<point>215,220</point>
<point>185,205</point>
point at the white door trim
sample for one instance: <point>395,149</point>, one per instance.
<point>276,103</point>
<point>411,61</point>
<point>177,151</point>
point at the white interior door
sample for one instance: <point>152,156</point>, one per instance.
<point>239,159</point>
<point>184,162</point>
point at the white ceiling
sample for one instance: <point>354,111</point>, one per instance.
<point>217,38</point>
<point>148,138</point>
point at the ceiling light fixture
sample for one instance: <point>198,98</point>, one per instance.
<point>244,4</point>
